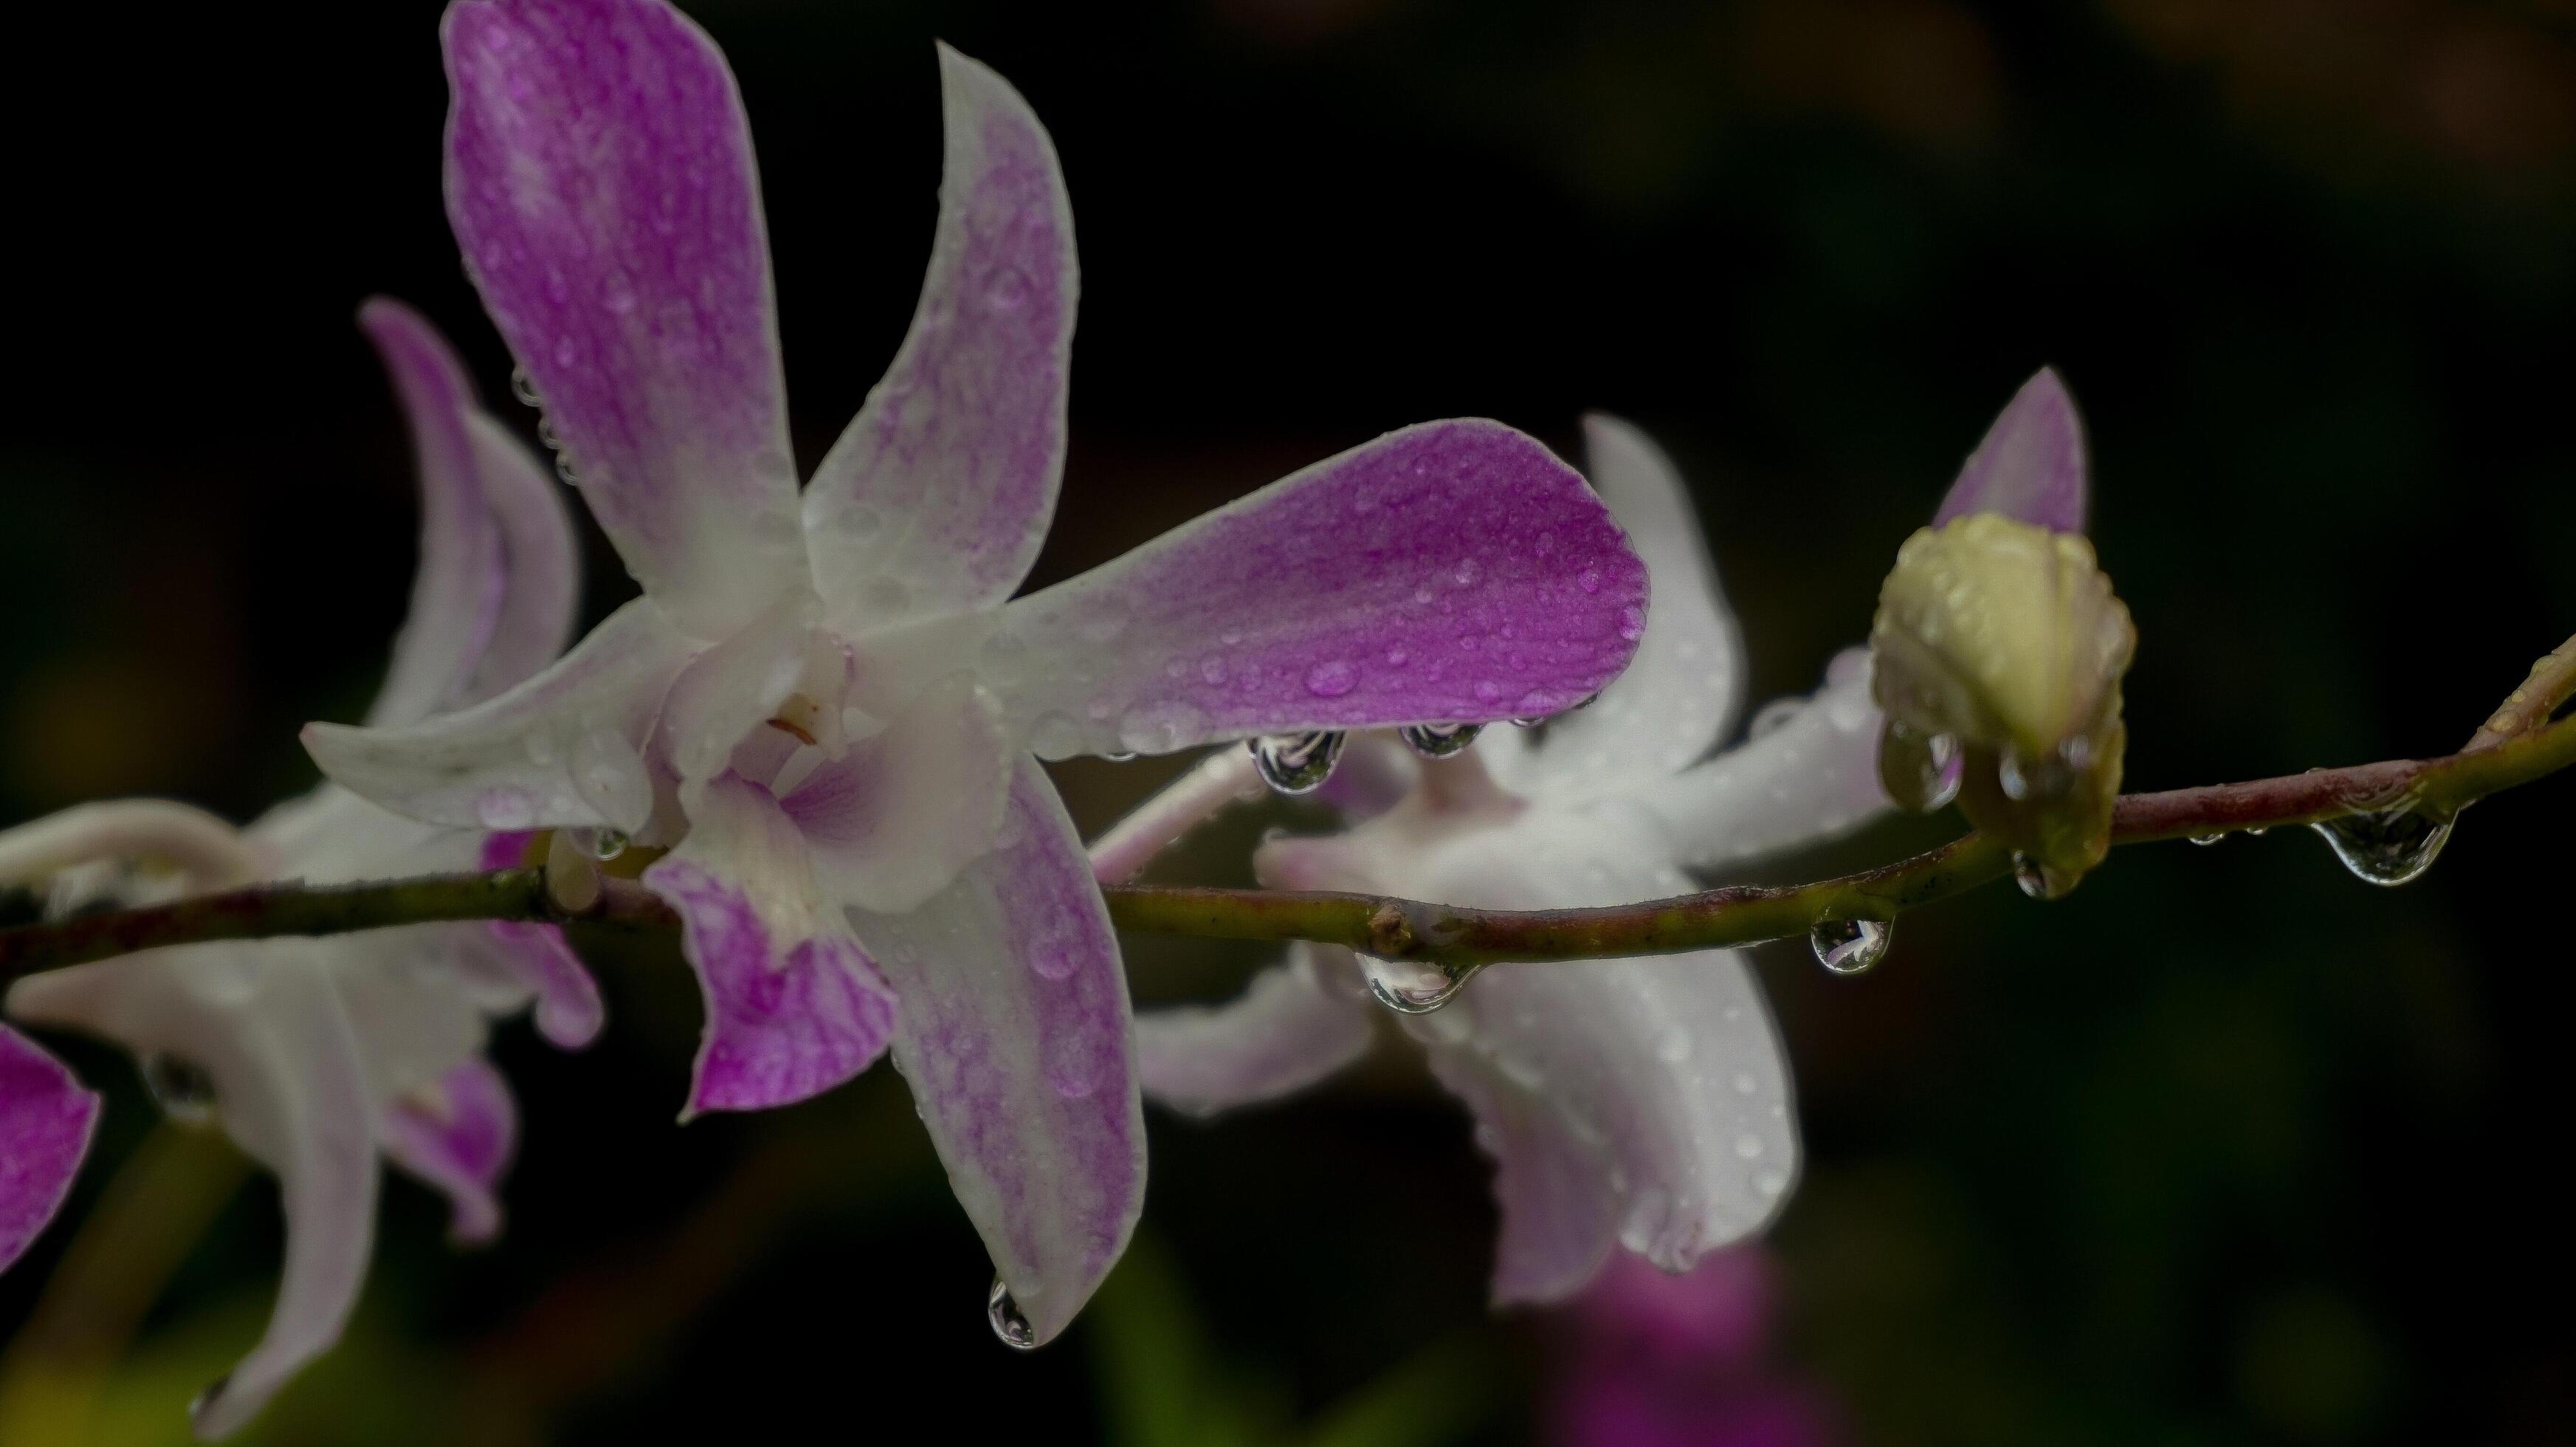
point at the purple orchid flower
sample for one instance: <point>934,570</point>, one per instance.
<point>1643,1103</point>
<point>316,1056</point>
<point>827,707</point>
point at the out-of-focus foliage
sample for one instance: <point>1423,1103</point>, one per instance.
<point>2223,1147</point>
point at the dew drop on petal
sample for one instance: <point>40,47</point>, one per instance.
<point>1675,1047</point>
<point>2389,847</point>
<point>524,389</point>
<point>1331,679</point>
<point>1296,763</point>
<point>2205,840</point>
<point>1009,1323</point>
<point>1920,771</point>
<point>610,776</point>
<point>198,1404</point>
<point>1439,741</point>
<point>1849,946</point>
<point>182,1088</point>
<point>1409,987</point>
<point>1774,716</point>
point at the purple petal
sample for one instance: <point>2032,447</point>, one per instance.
<point>794,1005</point>
<point>45,1123</point>
<point>601,184</point>
<point>1810,778</point>
<point>458,1136</point>
<point>891,822</point>
<point>2030,465</point>
<point>1014,1036</point>
<point>569,1010</point>
<point>1681,694</point>
<point>937,497</point>
<point>493,599</point>
<point>1288,1031</point>
<point>1453,571</point>
<point>267,1027</point>
<point>560,750</point>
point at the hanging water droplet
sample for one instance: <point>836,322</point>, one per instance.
<point>1296,763</point>
<point>524,389</point>
<point>2258,831</point>
<point>601,844</point>
<point>182,1088</point>
<point>2388,847</point>
<point>2205,840</point>
<point>1439,741</point>
<point>1920,771</point>
<point>1774,716</point>
<point>2039,881</point>
<point>198,1404</point>
<point>1849,946</point>
<point>1008,1321</point>
<point>1409,987</point>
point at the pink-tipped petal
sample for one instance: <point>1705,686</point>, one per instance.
<point>492,601</point>
<point>266,1026</point>
<point>601,184</point>
<point>457,1135</point>
<point>1449,572</point>
<point>891,822</point>
<point>560,750</point>
<point>1290,1029</point>
<point>1681,694</point>
<point>937,497</point>
<point>45,1124</point>
<point>2030,465</point>
<point>1809,778</point>
<point>1014,1035</point>
<point>794,1005</point>
<point>540,961</point>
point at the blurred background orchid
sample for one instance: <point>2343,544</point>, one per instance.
<point>2220,1147</point>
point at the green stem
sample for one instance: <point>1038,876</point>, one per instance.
<point>1391,928</point>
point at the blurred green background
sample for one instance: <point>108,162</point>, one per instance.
<point>2224,1148</point>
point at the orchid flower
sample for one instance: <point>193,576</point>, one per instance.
<point>1642,1102</point>
<point>317,1055</point>
<point>826,707</point>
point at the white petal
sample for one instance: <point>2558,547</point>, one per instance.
<point>1290,1029</point>
<point>560,750</point>
<point>1812,778</point>
<point>891,822</point>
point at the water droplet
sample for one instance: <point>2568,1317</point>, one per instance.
<point>1744,1083</point>
<point>2388,847</point>
<point>1331,679</point>
<point>2039,881</point>
<point>1008,1321</point>
<point>198,1404</point>
<point>1774,716</point>
<point>524,389</point>
<point>182,1088</point>
<point>1771,1183</point>
<point>2205,840</point>
<point>1849,946</point>
<point>2258,831</point>
<point>1632,622</point>
<point>1008,291</point>
<point>1409,987</point>
<point>1467,572</point>
<point>610,776</point>
<point>1055,736</point>
<point>1212,669</point>
<point>506,808</point>
<point>1748,1147</point>
<point>600,844</point>
<point>1439,741</point>
<point>1920,771</point>
<point>1675,1047</point>
<point>1589,580</point>
<point>1296,763</point>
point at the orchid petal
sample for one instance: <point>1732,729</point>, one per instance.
<point>45,1123</point>
<point>2031,463</point>
<point>1810,778</point>
<point>1014,1035</point>
<point>1375,773</point>
<point>730,689</point>
<point>457,1135</point>
<point>891,822</point>
<point>539,961</point>
<point>1681,694</point>
<point>936,498</point>
<point>558,751</point>
<point>493,598</point>
<point>411,1015</point>
<point>266,1025</point>
<point>601,185</point>
<point>794,1005</point>
<point>1448,572</point>
<point>1287,1031</point>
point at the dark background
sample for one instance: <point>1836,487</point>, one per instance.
<point>2224,1148</point>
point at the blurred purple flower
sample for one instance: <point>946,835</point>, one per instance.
<point>1648,1359</point>
<point>316,1056</point>
<point>826,705</point>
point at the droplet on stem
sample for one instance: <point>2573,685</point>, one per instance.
<point>1409,987</point>
<point>2388,847</point>
<point>1296,763</point>
<point>1849,946</point>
